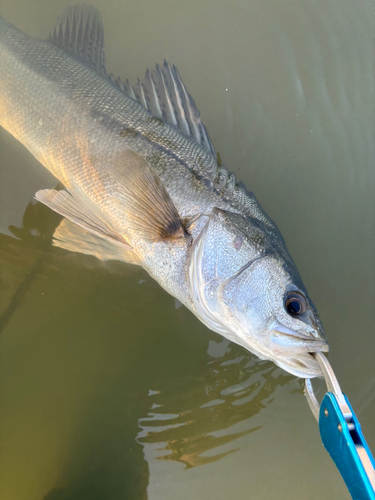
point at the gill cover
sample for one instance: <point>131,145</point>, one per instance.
<point>227,245</point>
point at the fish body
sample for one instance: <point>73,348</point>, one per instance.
<point>143,185</point>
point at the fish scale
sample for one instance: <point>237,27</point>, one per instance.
<point>142,185</point>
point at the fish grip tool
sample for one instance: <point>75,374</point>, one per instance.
<point>341,434</point>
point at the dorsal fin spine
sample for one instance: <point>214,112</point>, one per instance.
<point>142,94</point>
<point>188,111</point>
<point>131,90</point>
<point>183,123</point>
<point>158,112</point>
<point>182,91</point>
<point>171,115</point>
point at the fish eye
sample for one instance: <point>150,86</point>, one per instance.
<point>295,304</point>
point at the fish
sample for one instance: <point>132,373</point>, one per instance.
<point>142,184</point>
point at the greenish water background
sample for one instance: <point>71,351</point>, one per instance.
<point>108,389</point>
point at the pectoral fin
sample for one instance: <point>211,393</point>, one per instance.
<point>143,201</point>
<point>76,239</point>
<point>138,199</point>
<point>85,228</point>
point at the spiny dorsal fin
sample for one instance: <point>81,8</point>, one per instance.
<point>164,95</point>
<point>80,33</point>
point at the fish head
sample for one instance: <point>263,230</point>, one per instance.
<point>245,286</point>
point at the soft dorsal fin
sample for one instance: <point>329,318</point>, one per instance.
<point>79,32</point>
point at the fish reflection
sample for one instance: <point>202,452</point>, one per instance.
<point>22,257</point>
<point>193,422</point>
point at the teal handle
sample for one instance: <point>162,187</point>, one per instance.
<point>348,448</point>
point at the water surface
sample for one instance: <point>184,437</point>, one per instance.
<point>110,390</point>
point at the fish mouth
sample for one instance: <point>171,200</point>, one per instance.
<point>302,366</point>
<point>292,352</point>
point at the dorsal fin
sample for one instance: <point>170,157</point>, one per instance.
<point>164,95</point>
<point>79,32</point>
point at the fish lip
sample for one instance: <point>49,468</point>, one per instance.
<point>281,343</point>
<point>303,366</point>
<point>283,329</point>
<point>314,336</point>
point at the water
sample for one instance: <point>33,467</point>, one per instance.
<point>109,389</point>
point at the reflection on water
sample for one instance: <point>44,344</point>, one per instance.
<point>22,257</point>
<point>193,420</point>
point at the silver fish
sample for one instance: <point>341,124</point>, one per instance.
<point>143,185</point>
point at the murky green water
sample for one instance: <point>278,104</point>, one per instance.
<point>111,391</point>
